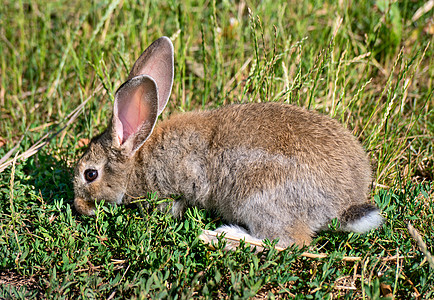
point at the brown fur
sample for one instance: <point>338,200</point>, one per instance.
<point>278,170</point>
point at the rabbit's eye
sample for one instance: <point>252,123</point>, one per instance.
<point>90,175</point>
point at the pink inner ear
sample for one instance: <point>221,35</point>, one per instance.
<point>132,113</point>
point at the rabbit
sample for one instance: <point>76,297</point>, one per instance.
<point>270,170</point>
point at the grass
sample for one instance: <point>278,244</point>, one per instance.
<point>368,64</point>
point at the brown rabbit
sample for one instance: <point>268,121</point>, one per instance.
<point>270,170</point>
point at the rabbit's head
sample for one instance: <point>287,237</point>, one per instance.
<point>102,172</point>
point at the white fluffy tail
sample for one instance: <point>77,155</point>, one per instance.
<point>363,220</point>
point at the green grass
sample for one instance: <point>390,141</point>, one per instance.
<point>366,63</point>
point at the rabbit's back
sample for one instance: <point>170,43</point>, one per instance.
<point>284,129</point>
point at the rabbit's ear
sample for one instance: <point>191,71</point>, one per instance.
<point>135,113</point>
<point>157,62</point>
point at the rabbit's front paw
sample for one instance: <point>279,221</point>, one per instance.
<point>178,208</point>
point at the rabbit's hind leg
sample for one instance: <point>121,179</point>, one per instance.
<point>237,232</point>
<point>296,232</point>
<point>299,233</point>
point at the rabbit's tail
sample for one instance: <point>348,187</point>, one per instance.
<point>361,218</point>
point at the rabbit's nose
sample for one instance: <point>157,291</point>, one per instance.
<point>84,207</point>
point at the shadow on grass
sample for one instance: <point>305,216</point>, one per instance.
<point>51,177</point>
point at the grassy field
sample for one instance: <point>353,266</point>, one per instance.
<point>368,64</point>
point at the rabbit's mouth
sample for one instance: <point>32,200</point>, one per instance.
<point>88,207</point>
<point>84,207</point>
